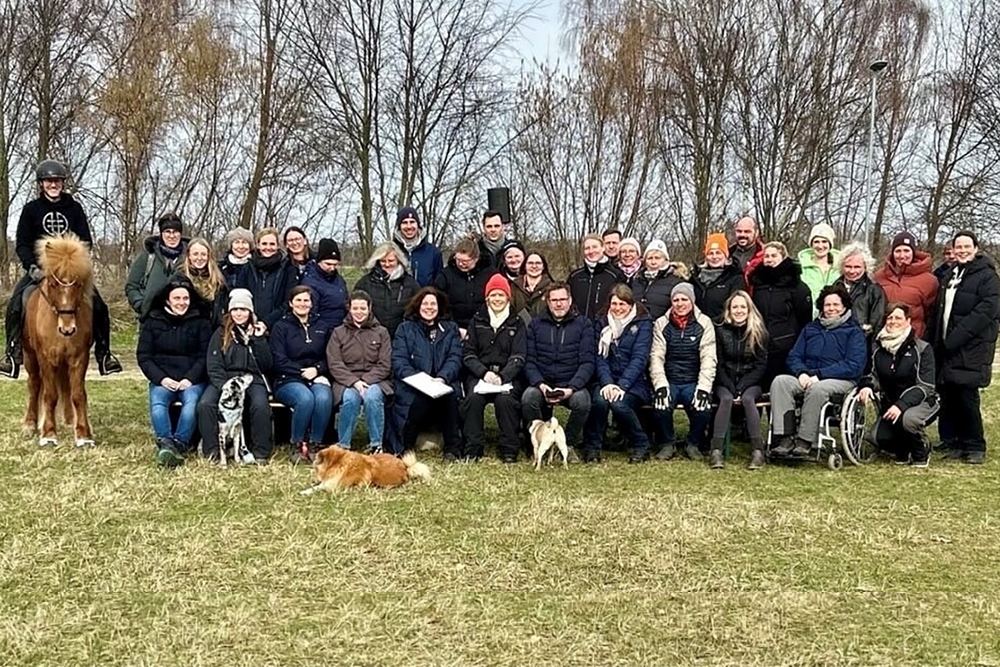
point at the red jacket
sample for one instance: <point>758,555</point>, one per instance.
<point>915,286</point>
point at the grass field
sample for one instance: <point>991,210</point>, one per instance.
<point>107,560</point>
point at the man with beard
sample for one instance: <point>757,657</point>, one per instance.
<point>423,256</point>
<point>748,250</point>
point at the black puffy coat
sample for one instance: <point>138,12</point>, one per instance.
<point>591,289</point>
<point>966,345</point>
<point>501,351</point>
<point>253,357</point>
<point>785,304</point>
<point>270,284</point>
<point>296,346</point>
<point>710,294</point>
<point>867,303</point>
<point>389,297</point>
<point>738,367</point>
<point>905,379</point>
<point>173,346</point>
<point>466,291</point>
<point>561,353</point>
<point>654,293</point>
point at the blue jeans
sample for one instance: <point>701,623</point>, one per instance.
<point>160,399</point>
<point>683,394</point>
<point>311,407</point>
<point>625,412</point>
<point>350,406</point>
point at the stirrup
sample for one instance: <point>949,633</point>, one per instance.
<point>9,367</point>
<point>108,364</point>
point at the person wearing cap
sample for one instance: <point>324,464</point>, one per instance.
<point>611,238</point>
<point>328,286</point>
<point>493,353</point>
<point>389,285</point>
<point>784,302</point>
<point>211,293</point>
<point>152,268</point>
<point>529,288</point>
<point>624,339</point>
<point>53,212</point>
<point>590,285</point>
<point>269,276</point>
<point>819,261</point>
<point>511,259</point>
<point>239,245</point>
<point>630,261</point>
<point>906,277</point>
<point>238,347</point>
<point>463,281</point>
<point>717,278</point>
<point>173,344</point>
<point>297,248</point>
<point>492,241</point>
<point>963,334</point>
<point>867,296</point>
<point>423,256</point>
<point>652,286</point>
<point>682,367</point>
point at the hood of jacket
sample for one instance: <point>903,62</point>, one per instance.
<point>921,264</point>
<point>785,274</point>
<point>808,261</point>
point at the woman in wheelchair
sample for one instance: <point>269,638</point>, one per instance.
<point>827,361</point>
<point>902,372</point>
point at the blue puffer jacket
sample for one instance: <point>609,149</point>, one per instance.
<point>830,354</point>
<point>296,346</point>
<point>413,352</point>
<point>626,362</point>
<point>560,354</point>
<point>425,259</point>
<point>329,296</point>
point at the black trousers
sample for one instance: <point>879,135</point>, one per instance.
<point>14,319</point>
<point>960,410</point>
<point>426,412</point>
<point>256,414</point>
<point>508,409</point>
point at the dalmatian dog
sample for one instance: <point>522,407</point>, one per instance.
<point>231,420</point>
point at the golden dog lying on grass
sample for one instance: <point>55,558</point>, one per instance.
<point>339,468</point>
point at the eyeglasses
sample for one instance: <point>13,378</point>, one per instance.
<point>558,300</point>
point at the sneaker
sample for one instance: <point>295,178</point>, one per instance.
<point>108,363</point>
<point>692,452</point>
<point>801,448</point>
<point>571,455</point>
<point>167,454</point>
<point>756,460</point>
<point>508,458</point>
<point>301,456</point>
<point>666,452</point>
<point>902,459</point>
<point>955,454</point>
<point>976,457</point>
<point>9,367</point>
<point>784,447</point>
<point>374,449</point>
<point>638,457</point>
<point>920,463</point>
<point>716,460</point>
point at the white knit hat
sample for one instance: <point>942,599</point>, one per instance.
<point>658,246</point>
<point>241,298</point>
<point>632,241</point>
<point>823,231</point>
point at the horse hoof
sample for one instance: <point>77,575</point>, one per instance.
<point>47,442</point>
<point>84,442</point>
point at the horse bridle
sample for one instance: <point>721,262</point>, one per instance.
<point>45,295</point>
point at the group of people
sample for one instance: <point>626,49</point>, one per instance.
<point>627,330</point>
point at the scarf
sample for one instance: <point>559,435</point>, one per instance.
<point>505,272</point>
<point>957,274</point>
<point>708,275</point>
<point>238,261</point>
<point>650,274</point>
<point>613,331</point>
<point>679,321</point>
<point>169,254</point>
<point>631,270</point>
<point>494,246</point>
<point>497,318</point>
<point>591,265</point>
<point>834,322</point>
<point>379,274</point>
<point>266,264</point>
<point>891,342</point>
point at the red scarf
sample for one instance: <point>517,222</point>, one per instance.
<point>679,321</point>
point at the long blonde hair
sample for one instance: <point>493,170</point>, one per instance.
<point>206,286</point>
<point>756,335</point>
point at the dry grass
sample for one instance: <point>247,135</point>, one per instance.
<point>108,560</point>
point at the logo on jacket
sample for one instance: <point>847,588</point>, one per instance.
<point>634,328</point>
<point>55,223</point>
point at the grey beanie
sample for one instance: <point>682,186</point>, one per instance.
<point>683,288</point>
<point>241,298</point>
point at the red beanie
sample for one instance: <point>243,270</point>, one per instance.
<point>497,282</point>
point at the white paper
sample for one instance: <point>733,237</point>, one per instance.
<point>427,385</point>
<point>484,387</point>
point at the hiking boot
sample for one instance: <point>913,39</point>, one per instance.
<point>976,457</point>
<point>801,448</point>
<point>449,457</point>
<point>108,363</point>
<point>638,457</point>
<point>955,454</point>
<point>943,446</point>
<point>756,460</point>
<point>592,456</point>
<point>167,454</point>
<point>692,452</point>
<point>571,455</point>
<point>666,452</point>
<point>9,367</point>
<point>784,447</point>
<point>716,460</point>
<point>302,455</point>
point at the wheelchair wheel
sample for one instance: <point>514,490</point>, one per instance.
<point>835,462</point>
<point>857,420</point>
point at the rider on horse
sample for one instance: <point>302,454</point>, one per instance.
<point>54,212</point>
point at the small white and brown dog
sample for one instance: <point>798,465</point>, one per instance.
<point>548,436</point>
<point>231,400</point>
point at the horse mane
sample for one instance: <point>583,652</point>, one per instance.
<point>67,258</point>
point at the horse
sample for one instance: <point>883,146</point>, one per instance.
<point>58,333</point>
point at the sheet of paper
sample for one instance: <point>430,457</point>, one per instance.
<point>427,385</point>
<point>484,387</point>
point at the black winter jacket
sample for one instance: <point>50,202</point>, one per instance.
<point>560,354</point>
<point>389,297</point>
<point>654,293</point>
<point>784,302</point>
<point>710,295</point>
<point>905,379</point>
<point>296,346</point>
<point>41,217</point>
<point>591,289</point>
<point>465,291</point>
<point>173,346</point>
<point>501,351</point>
<point>253,357</point>
<point>270,284</point>
<point>966,345</point>
<point>867,303</point>
<point>738,367</point>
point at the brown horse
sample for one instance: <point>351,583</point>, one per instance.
<point>58,332</point>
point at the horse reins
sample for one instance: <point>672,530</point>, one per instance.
<point>45,295</point>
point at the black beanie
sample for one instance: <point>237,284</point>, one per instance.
<point>407,212</point>
<point>328,249</point>
<point>170,221</point>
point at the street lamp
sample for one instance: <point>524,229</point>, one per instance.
<point>876,67</point>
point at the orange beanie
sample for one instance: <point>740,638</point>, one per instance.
<point>717,241</point>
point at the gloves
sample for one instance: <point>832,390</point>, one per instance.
<point>702,401</point>
<point>36,274</point>
<point>661,398</point>
<point>612,393</point>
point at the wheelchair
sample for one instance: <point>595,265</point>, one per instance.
<point>845,429</point>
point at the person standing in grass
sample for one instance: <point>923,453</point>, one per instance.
<point>298,250</point>
<point>741,354</point>
<point>211,292</point>
<point>173,342</point>
<point>529,288</point>
<point>653,285</point>
<point>902,372</point>
<point>906,277</point>
<point>152,268</point>
<point>239,246</point>
<point>630,260</point>
<point>867,296</point>
<point>624,339</point>
<point>964,336</point>
<point>329,288</point>
<point>269,277</point>
<point>298,350</point>
<point>819,261</point>
<point>591,284</point>
<point>389,285</point>
<point>462,282</point>
<point>783,301</point>
<point>717,278</point>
